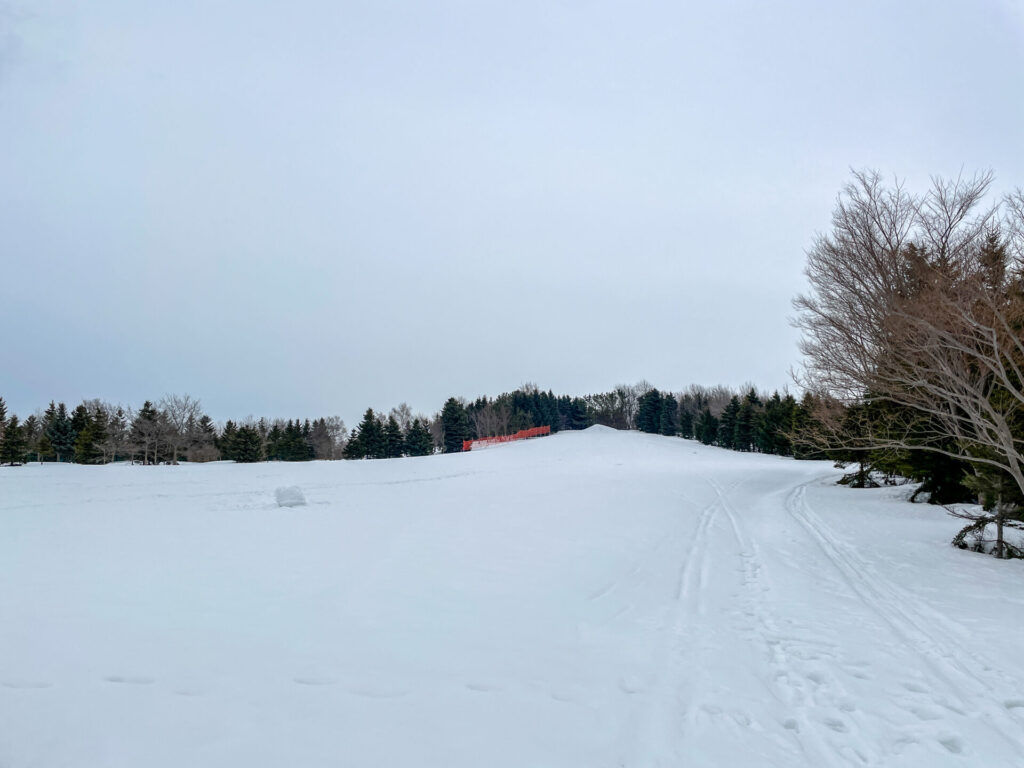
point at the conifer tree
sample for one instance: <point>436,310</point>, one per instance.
<point>746,418</point>
<point>455,425</point>
<point>706,427</point>
<point>247,445</point>
<point>354,447</point>
<point>45,451</point>
<point>307,441</point>
<point>275,441</point>
<point>418,441</point>
<point>14,445</point>
<point>87,443</point>
<point>648,414</point>
<point>371,434</point>
<point>145,432</point>
<point>669,415</point>
<point>394,441</point>
<point>727,423</point>
<point>80,418</point>
<point>32,429</point>
<point>226,441</point>
<point>204,440</point>
<point>368,440</point>
<point>578,414</point>
<point>59,432</point>
<point>686,423</point>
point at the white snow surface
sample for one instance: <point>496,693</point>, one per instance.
<point>588,599</point>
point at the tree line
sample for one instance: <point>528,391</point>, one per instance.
<point>167,431</point>
<point>175,428</point>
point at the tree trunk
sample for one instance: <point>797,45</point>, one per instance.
<point>999,528</point>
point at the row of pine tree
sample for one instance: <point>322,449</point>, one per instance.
<point>175,429</point>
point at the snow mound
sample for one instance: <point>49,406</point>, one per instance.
<point>290,496</point>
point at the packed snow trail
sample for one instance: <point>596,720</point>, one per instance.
<point>588,599</point>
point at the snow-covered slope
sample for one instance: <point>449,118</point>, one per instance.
<point>588,599</point>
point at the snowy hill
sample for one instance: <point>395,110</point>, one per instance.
<point>589,599</point>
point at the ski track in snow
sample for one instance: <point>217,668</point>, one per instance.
<point>590,599</point>
<point>964,682</point>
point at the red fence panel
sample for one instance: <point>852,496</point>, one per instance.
<point>468,445</point>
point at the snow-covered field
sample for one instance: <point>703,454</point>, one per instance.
<point>588,599</point>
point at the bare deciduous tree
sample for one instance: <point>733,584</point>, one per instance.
<point>182,413</point>
<point>492,419</point>
<point>403,415</point>
<point>916,302</point>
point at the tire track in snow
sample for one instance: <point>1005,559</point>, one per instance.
<point>970,686</point>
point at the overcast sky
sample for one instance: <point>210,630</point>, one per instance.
<point>310,207</point>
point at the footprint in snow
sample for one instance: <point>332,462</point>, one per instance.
<point>835,724</point>
<point>952,744</point>
<point>741,719</point>
<point>130,679</point>
<point>314,680</point>
<point>482,687</point>
<point>26,684</point>
<point>563,696</point>
<point>631,684</point>
<point>599,593</point>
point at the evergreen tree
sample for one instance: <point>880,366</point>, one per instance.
<point>686,426</point>
<point>578,415</point>
<point>706,427</point>
<point>291,442</point>
<point>727,423</point>
<point>80,418</point>
<point>354,447</point>
<point>769,426</point>
<point>145,432</point>
<point>307,441</point>
<point>746,422</point>
<point>394,441</point>
<point>247,445</point>
<point>3,419</point>
<point>275,443</point>
<point>804,430</point>
<point>14,444</point>
<point>115,445</point>
<point>418,441</point>
<point>368,439</point>
<point>455,425</point>
<point>669,415</point>
<point>204,440</point>
<point>648,414</point>
<point>226,441</point>
<point>371,435</point>
<point>89,439</point>
<point>45,450</point>
<point>59,432</point>
<point>33,430</point>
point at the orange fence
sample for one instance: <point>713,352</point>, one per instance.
<point>468,445</point>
